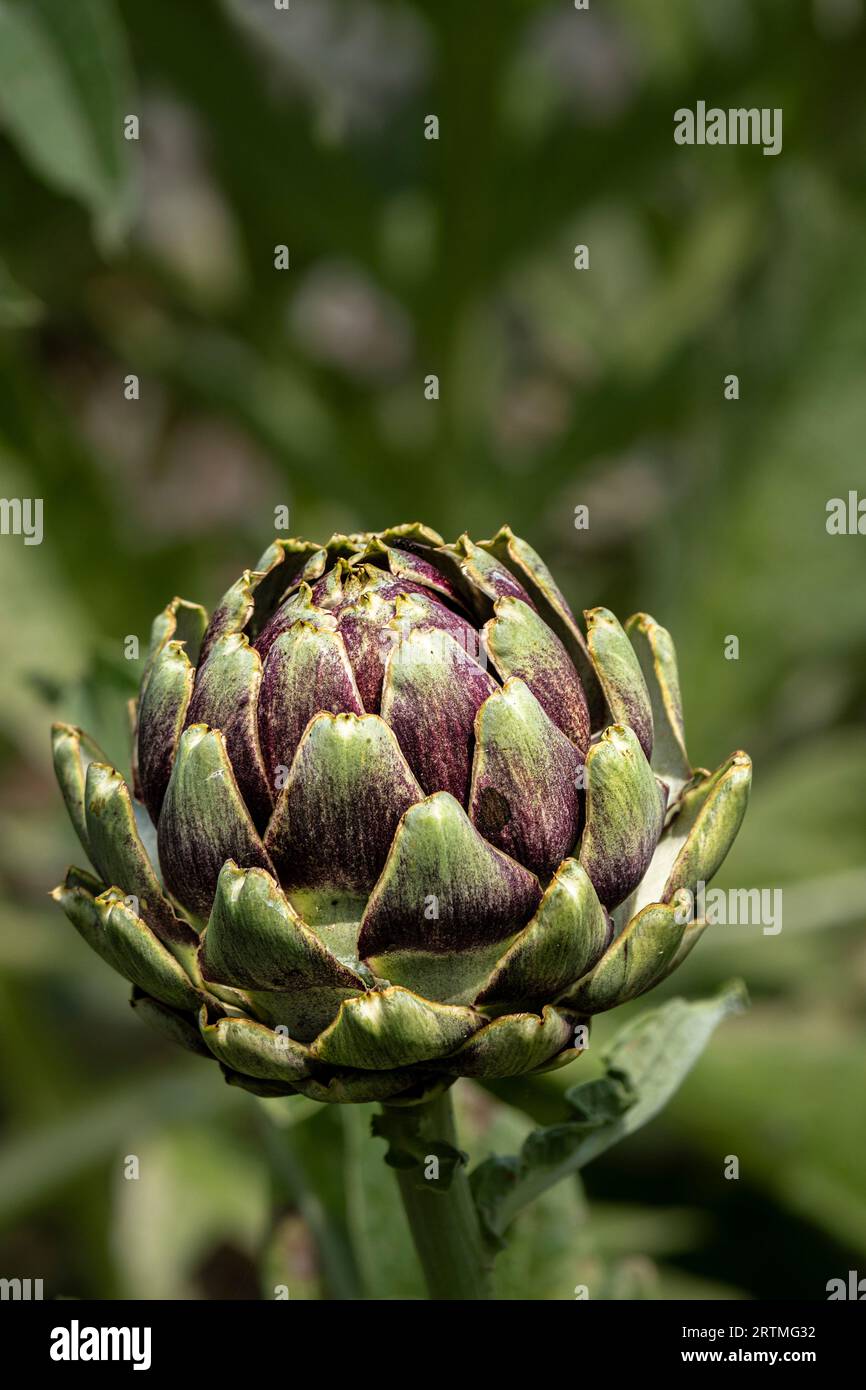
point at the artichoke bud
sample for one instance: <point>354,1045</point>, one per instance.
<point>396,818</point>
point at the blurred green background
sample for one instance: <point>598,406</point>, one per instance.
<point>305,388</point>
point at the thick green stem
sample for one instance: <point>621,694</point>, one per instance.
<point>443,1219</point>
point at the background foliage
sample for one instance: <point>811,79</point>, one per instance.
<point>305,388</point>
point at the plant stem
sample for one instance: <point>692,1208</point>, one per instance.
<point>443,1220</point>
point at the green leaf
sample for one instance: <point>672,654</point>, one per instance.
<point>642,1069</point>
<point>545,1248</point>
<point>63,80</point>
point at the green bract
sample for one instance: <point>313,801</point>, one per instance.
<point>396,819</point>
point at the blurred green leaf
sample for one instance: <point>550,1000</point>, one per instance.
<point>299,1179</point>
<point>807,817</point>
<point>58,629</point>
<point>63,79</point>
<point>33,1165</point>
<point>193,1191</point>
<point>802,1143</point>
<point>18,307</point>
<point>382,1246</point>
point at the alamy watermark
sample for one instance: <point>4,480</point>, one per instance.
<point>736,126</point>
<point>435,644</point>
<point>21,1290</point>
<point>853,1288</point>
<point>77,1343</point>
<point>730,907</point>
<point>846,516</point>
<point>22,516</point>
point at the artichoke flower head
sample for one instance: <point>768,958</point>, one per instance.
<point>395,818</point>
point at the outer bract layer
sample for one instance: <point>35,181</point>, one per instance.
<point>395,817</point>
